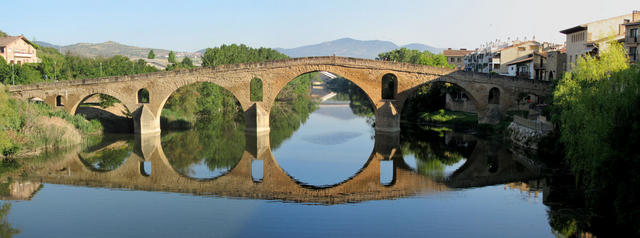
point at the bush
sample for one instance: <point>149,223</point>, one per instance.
<point>25,125</point>
<point>598,109</point>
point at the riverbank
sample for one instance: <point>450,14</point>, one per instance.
<point>27,129</point>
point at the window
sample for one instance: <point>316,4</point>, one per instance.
<point>633,53</point>
<point>578,36</point>
<point>494,96</point>
<point>633,35</point>
<point>1,49</point>
<point>59,102</point>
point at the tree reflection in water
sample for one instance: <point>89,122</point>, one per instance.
<point>6,231</point>
<point>216,145</point>
<point>103,157</point>
<point>432,150</point>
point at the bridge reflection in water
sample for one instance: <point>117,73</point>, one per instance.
<point>486,165</point>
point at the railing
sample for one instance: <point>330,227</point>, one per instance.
<point>17,54</point>
<point>533,124</point>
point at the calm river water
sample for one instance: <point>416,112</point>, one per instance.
<point>331,177</point>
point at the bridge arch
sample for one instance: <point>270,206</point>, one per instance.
<point>494,96</point>
<point>173,91</point>
<point>74,102</point>
<point>359,80</point>
<point>471,95</point>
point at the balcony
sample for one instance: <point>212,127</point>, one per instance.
<point>23,55</point>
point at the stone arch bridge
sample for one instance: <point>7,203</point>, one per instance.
<point>491,94</point>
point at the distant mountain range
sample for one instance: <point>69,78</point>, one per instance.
<point>111,48</point>
<point>346,47</point>
<point>349,47</point>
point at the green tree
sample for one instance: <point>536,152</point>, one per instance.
<point>5,228</point>
<point>598,110</point>
<point>234,54</point>
<point>415,57</point>
<point>186,62</point>
<point>172,57</point>
<point>151,55</point>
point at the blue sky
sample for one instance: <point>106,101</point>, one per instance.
<point>188,25</point>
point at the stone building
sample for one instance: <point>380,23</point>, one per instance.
<point>17,50</point>
<point>497,58</point>
<point>456,57</point>
<point>516,53</point>
<point>556,64</point>
<point>591,37</point>
<point>632,37</point>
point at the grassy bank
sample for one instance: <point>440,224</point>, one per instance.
<point>444,117</point>
<point>27,128</point>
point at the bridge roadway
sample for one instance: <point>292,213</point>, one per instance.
<point>276,184</point>
<point>492,95</point>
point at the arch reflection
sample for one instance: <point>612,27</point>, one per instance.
<point>276,184</point>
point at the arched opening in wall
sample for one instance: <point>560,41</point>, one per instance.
<point>109,111</point>
<point>492,163</point>
<point>494,96</point>
<point>256,90</point>
<point>203,130</point>
<point>59,101</point>
<point>145,168</point>
<point>143,95</point>
<point>386,172</point>
<point>389,86</point>
<point>440,104</point>
<point>257,170</point>
<point>321,128</point>
<point>432,116</point>
<point>108,154</point>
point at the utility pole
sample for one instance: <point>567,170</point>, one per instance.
<point>55,79</point>
<point>100,69</point>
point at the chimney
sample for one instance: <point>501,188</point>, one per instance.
<point>635,16</point>
<point>463,48</point>
<point>449,49</point>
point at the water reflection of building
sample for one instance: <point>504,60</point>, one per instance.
<point>531,189</point>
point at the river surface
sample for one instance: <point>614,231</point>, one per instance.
<point>333,176</point>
